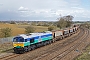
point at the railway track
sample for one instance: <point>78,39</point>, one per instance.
<point>9,56</point>
<point>15,55</point>
<point>46,53</point>
<point>79,49</point>
<point>73,47</point>
<point>54,54</point>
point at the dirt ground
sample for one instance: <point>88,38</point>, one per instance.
<point>6,47</point>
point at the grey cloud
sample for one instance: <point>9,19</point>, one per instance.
<point>8,15</point>
<point>1,4</point>
<point>39,9</point>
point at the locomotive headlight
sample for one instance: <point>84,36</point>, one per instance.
<point>18,44</point>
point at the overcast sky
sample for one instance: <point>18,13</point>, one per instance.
<point>44,10</point>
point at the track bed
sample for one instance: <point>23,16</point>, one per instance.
<point>65,49</point>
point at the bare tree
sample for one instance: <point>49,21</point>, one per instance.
<point>64,21</point>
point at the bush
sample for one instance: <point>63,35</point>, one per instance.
<point>12,22</point>
<point>50,28</point>
<point>6,32</point>
<point>29,29</point>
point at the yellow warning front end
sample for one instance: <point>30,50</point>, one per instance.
<point>18,45</point>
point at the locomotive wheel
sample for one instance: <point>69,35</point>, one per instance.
<point>26,49</point>
<point>38,45</point>
<point>15,51</point>
<point>22,52</point>
<point>29,48</point>
<point>33,47</point>
<point>45,43</point>
<point>50,41</point>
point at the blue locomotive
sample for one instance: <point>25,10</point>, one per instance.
<point>27,42</point>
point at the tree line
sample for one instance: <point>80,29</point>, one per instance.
<point>63,22</point>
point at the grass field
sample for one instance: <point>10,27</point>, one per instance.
<point>16,29</point>
<point>20,29</point>
<point>85,55</point>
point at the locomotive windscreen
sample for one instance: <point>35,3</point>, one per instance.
<point>18,39</point>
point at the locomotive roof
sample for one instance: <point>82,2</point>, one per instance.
<point>30,35</point>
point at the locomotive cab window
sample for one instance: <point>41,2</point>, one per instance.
<point>31,40</point>
<point>21,40</point>
<point>18,39</point>
<point>15,40</point>
<point>25,40</point>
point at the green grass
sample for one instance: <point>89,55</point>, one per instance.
<point>85,55</point>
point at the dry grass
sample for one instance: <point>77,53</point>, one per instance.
<point>16,29</point>
<point>20,29</point>
<point>6,47</point>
